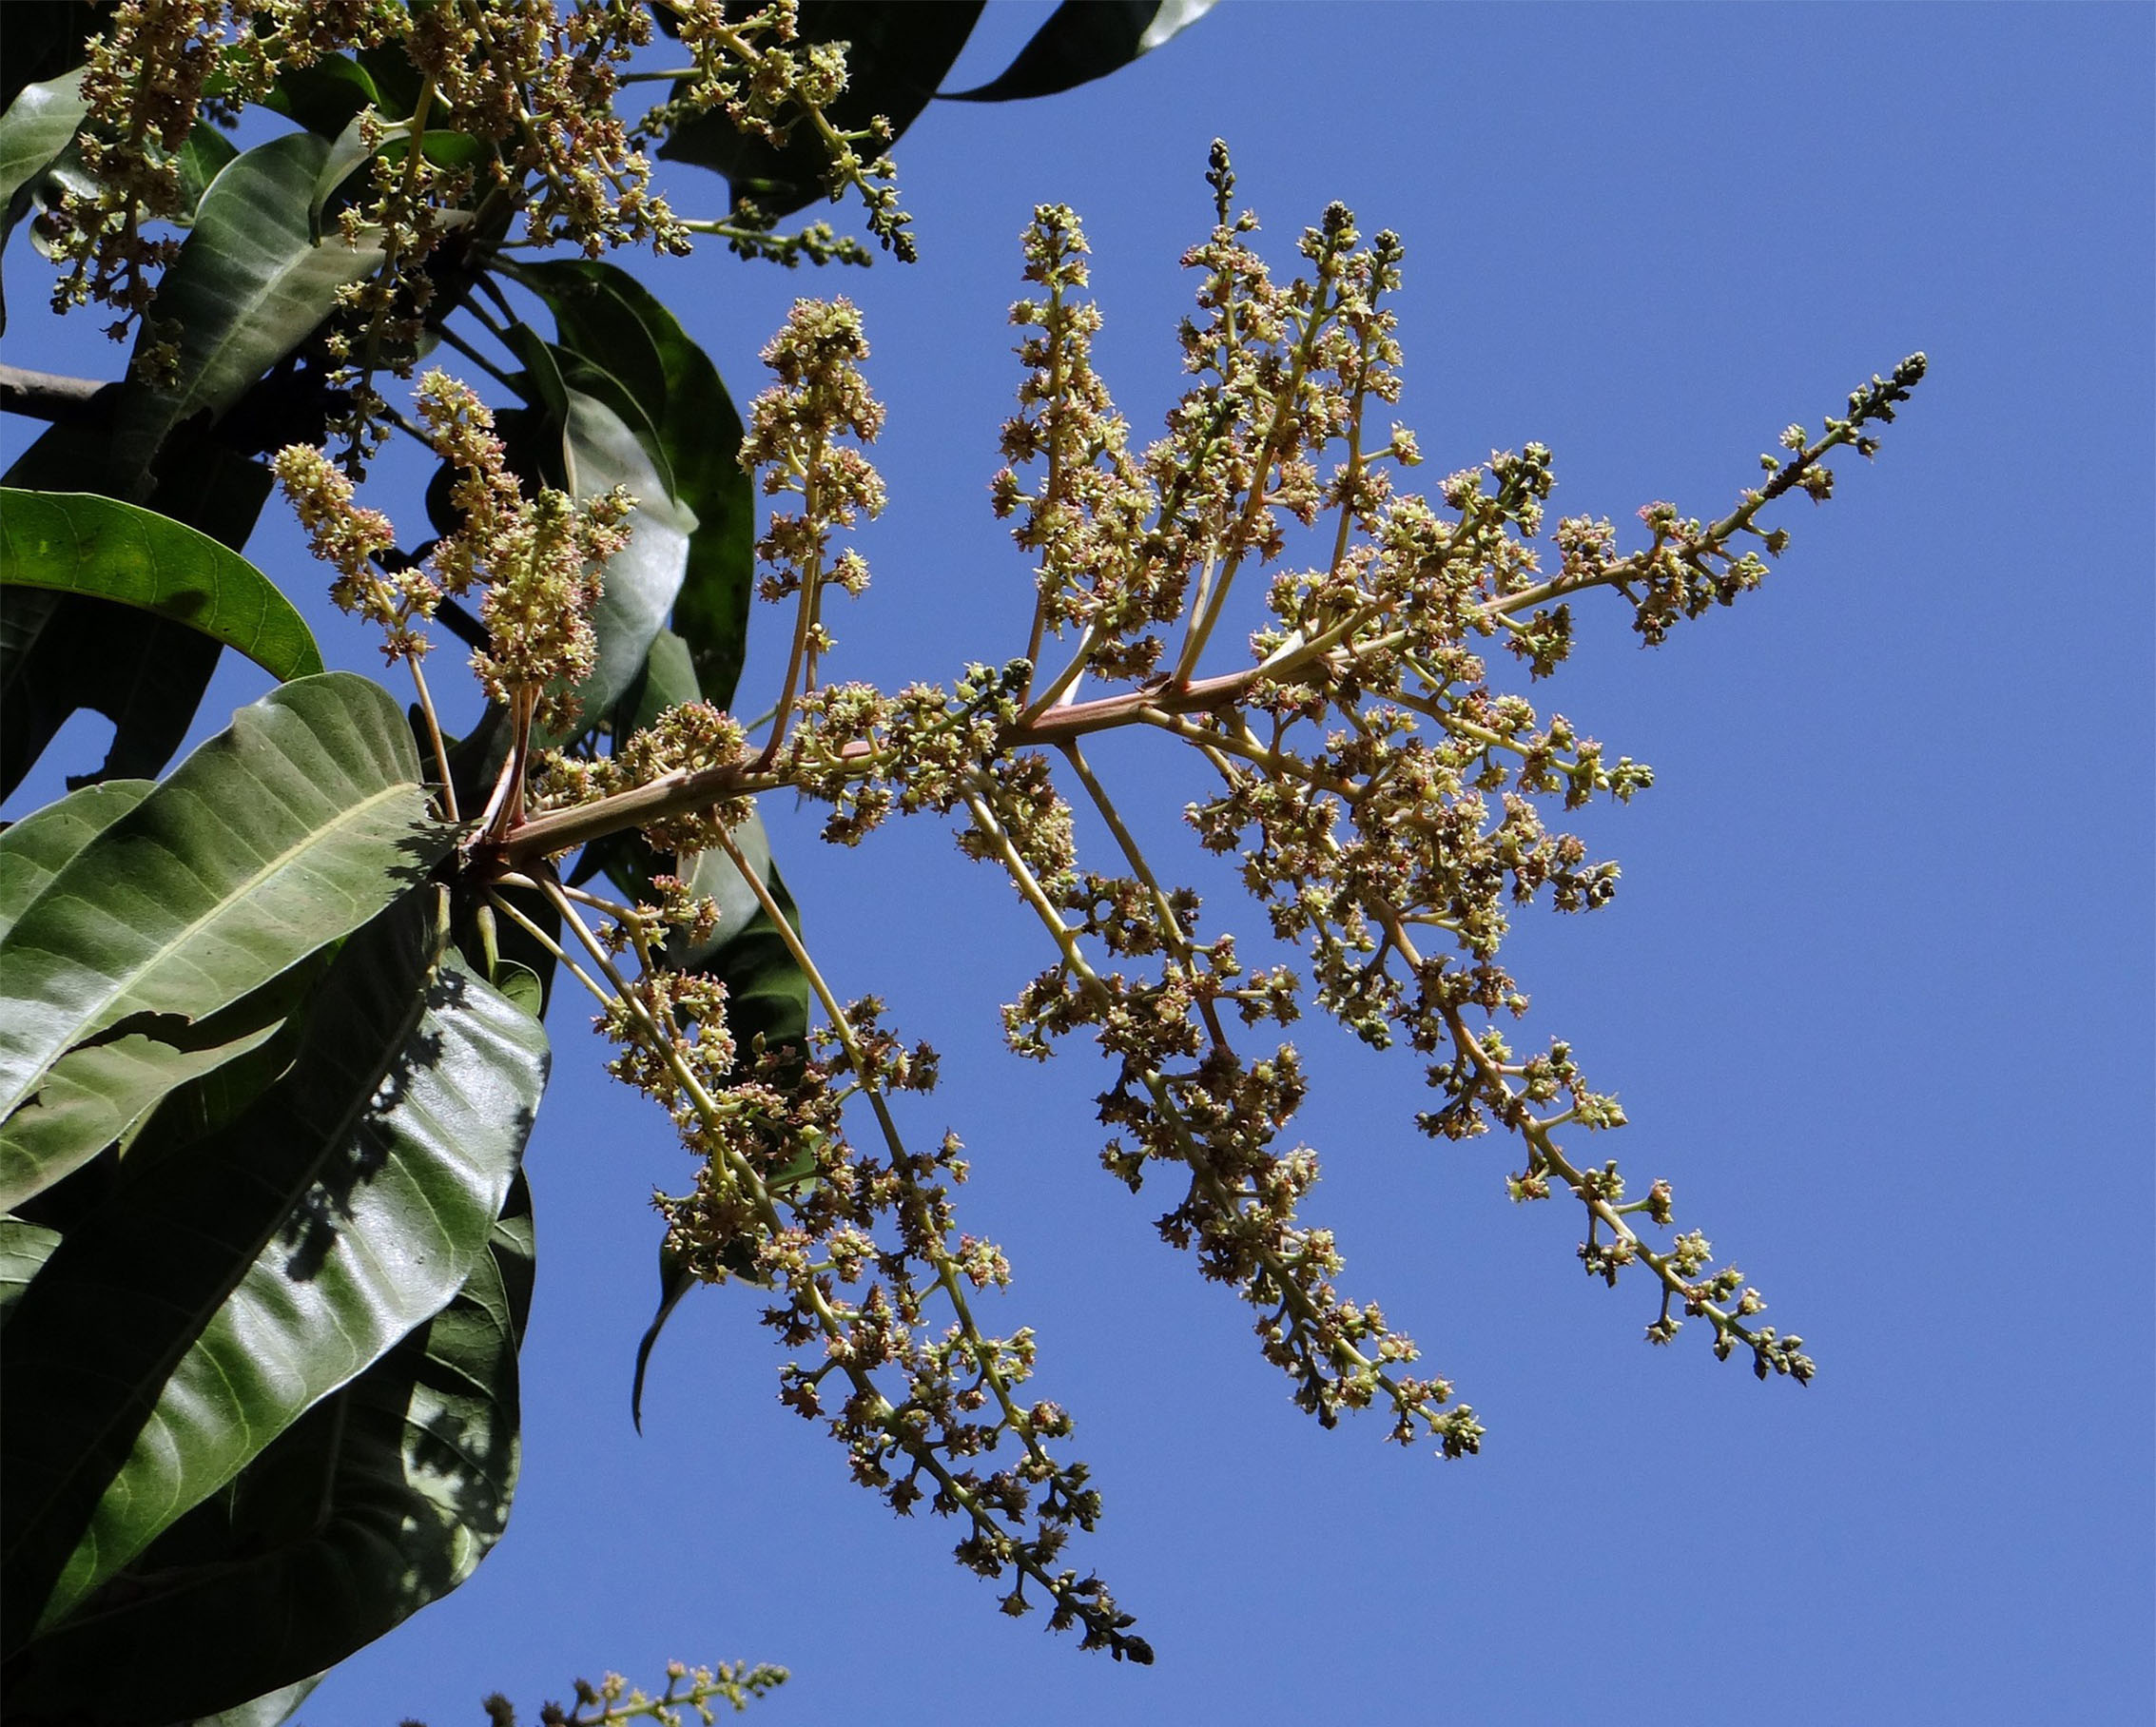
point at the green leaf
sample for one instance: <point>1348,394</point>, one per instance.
<point>1084,40</point>
<point>250,286</point>
<point>325,96</point>
<point>896,56</point>
<point>383,1498</point>
<point>280,834</point>
<point>643,580</point>
<point>81,543</point>
<point>61,652</point>
<point>33,849</point>
<point>95,1096</point>
<point>205,155</point>
<point>24,1249</point>
<point>226,1288</point>
<point>39,124</point>
<point>540,382</point>
<point>609,319</point>
<point>668,680</point>
<point>270,1710</point>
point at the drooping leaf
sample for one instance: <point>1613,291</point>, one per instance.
<point>540,382</point>
<point>766,990</point>
<point>289,830</point>
<point>271,1710</point>
<point>1083,39</point>
<point>896,56</point>
<point>226,1288</point>
<point>609,319</point>
<point>715,876</point>
<point>80,543</point>
<point>381,1497</point>
<point>33,849</point>
<point>250,284</point>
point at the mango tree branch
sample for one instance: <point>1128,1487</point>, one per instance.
<point>47,394</point>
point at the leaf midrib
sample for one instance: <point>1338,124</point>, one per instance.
<point>314,838</point>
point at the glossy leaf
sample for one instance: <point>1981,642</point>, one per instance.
<point>1083,39</point>
<point>249,285</point>
<point>280,834</point>
<point>80,543</point>
<point>39,124</point>
<point>896,56</point>
<point>33,849</point>
<point>383,1498</point>
<point>606,317</point>
<point>226,1288</point>
<point>642,581</point>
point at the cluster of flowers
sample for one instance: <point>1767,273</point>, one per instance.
<point>1388,809</point>
<point>515,118</point>
<point>540,560</point>
<point>1386,804</point>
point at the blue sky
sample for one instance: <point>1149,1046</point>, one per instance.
<point>1875,992</point>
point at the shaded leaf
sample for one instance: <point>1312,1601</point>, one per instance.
<point>766,990</point>
<point>203,158</point>
<point>61,652</point>
<point>223,1289</point>
<point>540,382</point>
<point>605,317</point>
<point>33,850</point>
<point>266,1711</point>
<point>24,1249</point>
<point>896,56</point>
<point>81,543</point>
<point>668,680</point>
<point>250,286</point>
<point>94,1095</point>
<point>383,1498</point>
<point>44,38</point>
<point>1084,40</point>
<point>325,96</point>
<point>289,830</point>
